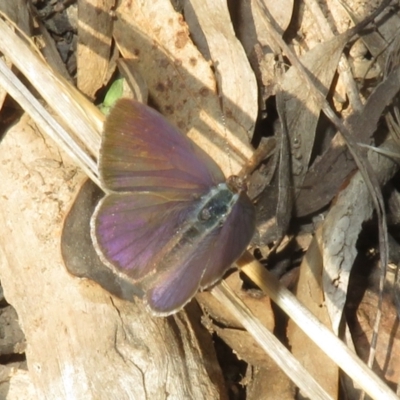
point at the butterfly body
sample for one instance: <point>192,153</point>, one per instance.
<point>169,223</point>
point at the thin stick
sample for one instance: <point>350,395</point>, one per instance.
<point>272,346</point>
<point>78,113</point>
<point>45,121</point>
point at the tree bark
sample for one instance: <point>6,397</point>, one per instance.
<point>81,341</point>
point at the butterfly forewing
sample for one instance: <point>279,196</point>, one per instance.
<point>141,150</point>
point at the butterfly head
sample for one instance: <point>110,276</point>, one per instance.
<point>236,184</point>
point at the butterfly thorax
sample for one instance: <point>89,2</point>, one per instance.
<point>217,207</point>
<point>210,212</point>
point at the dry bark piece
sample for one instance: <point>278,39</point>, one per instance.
<point>270,385</point>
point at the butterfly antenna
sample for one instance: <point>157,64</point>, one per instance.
<point>218,80</point>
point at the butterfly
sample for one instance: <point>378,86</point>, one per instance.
<point>170,222</point>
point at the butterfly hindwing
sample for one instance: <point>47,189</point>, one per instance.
<point>129,229</point>
<point>204,262</point>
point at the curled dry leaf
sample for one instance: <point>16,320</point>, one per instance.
<point>94,44</point>
<point>235,80</point>
<point>258,44</point>
<point>329,171</point>
<point>302,110</point>
<point>340,233</point>
<point>181,81</point>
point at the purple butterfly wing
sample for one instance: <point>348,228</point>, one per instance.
<point>205,262</point>
<point>142,151</point>
<point>176,286</point>
<point>128,229</point>
<point>233,238</point>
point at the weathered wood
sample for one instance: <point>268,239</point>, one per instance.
<point>82,343</point>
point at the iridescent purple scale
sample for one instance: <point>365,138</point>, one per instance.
<point>133,222</point>
<point>169,223</point>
